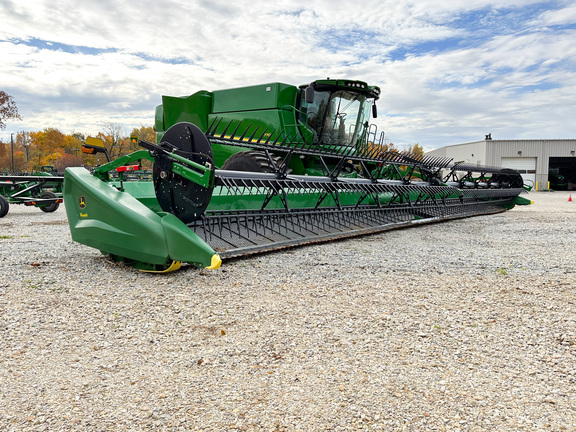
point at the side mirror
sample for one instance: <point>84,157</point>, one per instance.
<point>309,94</point>
<point>374,110</point>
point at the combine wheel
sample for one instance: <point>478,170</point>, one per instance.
<point>52,207</point>
<point>4,205</point>
<point>252,161</point>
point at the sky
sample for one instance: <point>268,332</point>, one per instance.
<point>450,71</point>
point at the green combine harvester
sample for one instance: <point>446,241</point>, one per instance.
<point>260,168</point>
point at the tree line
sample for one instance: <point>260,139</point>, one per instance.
<point>28,152</point>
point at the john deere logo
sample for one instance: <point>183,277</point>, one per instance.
<point>82,201</point>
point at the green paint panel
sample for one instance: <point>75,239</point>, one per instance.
<point>117,223</point>
<point>193,109</point>
<point>259,97</point>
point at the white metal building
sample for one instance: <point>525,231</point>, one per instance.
<point>539,160</point>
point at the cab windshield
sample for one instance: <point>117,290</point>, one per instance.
<point>336,117</point>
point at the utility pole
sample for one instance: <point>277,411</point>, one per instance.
<point>26,144</point>
<point>12,145</point>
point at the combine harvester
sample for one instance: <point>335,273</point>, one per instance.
<point>260,168</point>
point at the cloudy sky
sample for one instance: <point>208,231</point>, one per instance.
<point>450,71</point>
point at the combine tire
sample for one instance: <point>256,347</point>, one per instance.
<point>3,206</point>
<point>52,206</point>
<point>252,161</point>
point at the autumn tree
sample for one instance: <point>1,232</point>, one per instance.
<point>416,149</point>
<point>32,150</point>
<point>145,133</point>
<point>8,109</point>
<point>72,154</point>
<point>17,159</point>
<point>389,147</point>
<point>113,137</point>
<point>79,136</point>
<point>47,147</point>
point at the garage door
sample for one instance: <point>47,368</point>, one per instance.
<point>526,166</point>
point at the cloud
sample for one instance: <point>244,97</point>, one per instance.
<point>564,16</point>
<point>447,72</point>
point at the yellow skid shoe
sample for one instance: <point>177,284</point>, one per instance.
<point>173,267</point>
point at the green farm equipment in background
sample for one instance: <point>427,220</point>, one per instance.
<point>557,180</point>
<point>42,190</point>
<point>259,168</point>
<point>47,170</point>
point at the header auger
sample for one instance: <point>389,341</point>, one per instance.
<point>265,178</point>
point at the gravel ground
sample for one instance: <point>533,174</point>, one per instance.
<point>466,325</point>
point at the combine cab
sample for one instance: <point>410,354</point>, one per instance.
<point>235,174</point>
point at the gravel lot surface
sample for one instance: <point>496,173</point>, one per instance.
<point>468,325</point>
